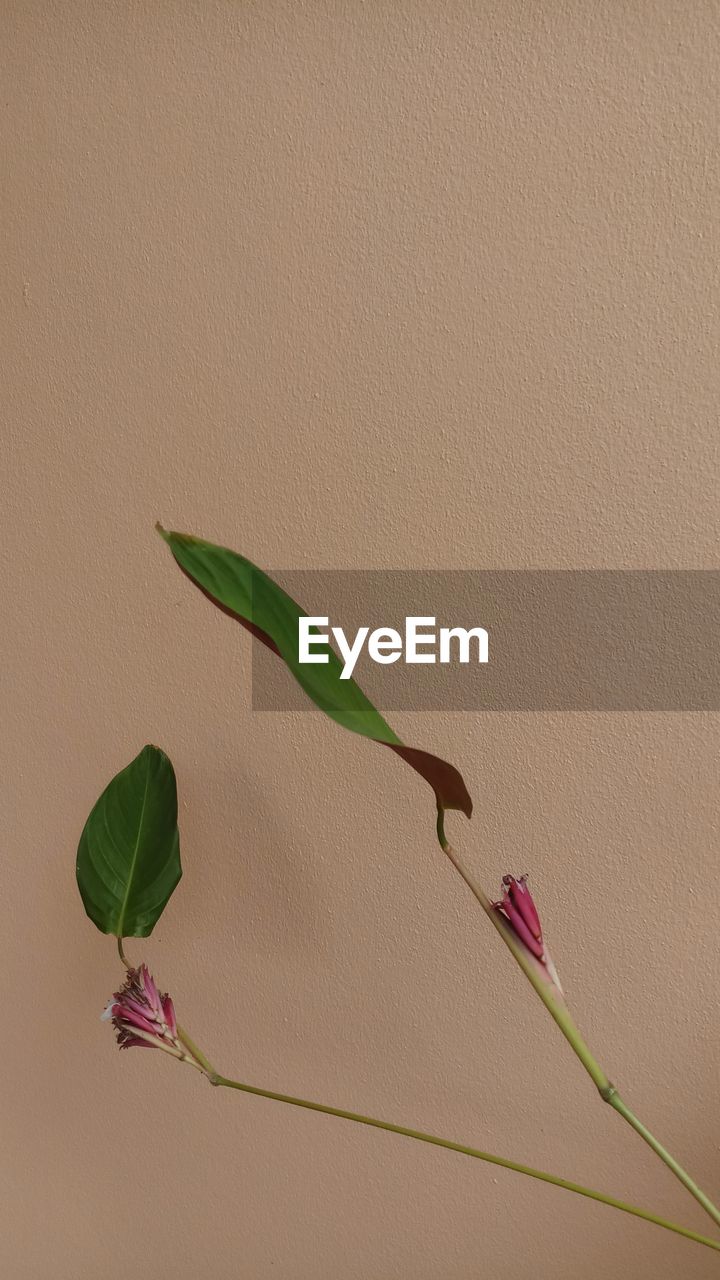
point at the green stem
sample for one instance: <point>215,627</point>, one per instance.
<point>556,1006</point>
<point>192,1048</point>
<point>547,991</point>
<point>617,1103</point>
<point>419,1136</point>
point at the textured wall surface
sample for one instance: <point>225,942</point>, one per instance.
<point>346,285</point>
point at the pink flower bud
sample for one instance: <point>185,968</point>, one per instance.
<point>521,899</point>
<point>518,908</point>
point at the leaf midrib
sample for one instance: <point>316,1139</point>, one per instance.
<point>131,872</point>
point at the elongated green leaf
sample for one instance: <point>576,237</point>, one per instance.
<point>128,858</point>
<point>248,595</point>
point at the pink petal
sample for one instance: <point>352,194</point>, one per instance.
<point>522,900</point>
<point>140,1007</point>
<point>130,1042</point>
<point>169,1011</point>
<point>133,1019</point>
<point>521,929</point>
<point>151,991</point>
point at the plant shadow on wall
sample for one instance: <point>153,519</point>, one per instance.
<point>128,865</point>
<point>287,890</point>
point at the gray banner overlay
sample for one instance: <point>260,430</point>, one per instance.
<point>558,640</point>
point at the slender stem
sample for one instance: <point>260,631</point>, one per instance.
<point>548,993</point>
<point>122,955</point>
<point>616,1101</point>
<point>199,1057</point>
<point>419,1136</point>
<point>558,1009</point>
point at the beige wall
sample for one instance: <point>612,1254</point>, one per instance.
<point>352,284</point>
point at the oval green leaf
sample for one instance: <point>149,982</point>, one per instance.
<point>128,858</point>
<point>247,594</point>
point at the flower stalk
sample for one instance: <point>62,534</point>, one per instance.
<point>144,1017</point>
<point>513,919</point>
<point>538,974</point>
<point>476,1154</point>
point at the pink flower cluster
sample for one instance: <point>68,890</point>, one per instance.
<point>142,1016</point>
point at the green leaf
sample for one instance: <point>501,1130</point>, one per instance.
<point>128,858</point>
<point>248,595</point>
